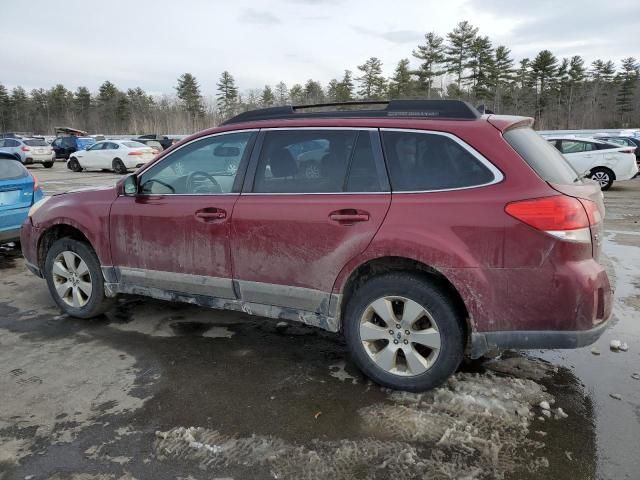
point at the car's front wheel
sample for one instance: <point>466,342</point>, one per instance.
<point>603,176</point>
<point>403,332</point>
<point>74,165</point>
<point>47,164</point>
<point>74,278</point>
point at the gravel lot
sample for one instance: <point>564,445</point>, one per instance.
<point>156,390</point>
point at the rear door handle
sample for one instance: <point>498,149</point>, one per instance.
<point>210,214</point>
<point>349,216</point>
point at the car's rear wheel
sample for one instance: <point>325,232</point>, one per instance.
<point>119,167</point>
<point>74,278</point>
<point>47,164</point>
<point>603,176</point>
<point>74,164</point>
<point>403,332</point>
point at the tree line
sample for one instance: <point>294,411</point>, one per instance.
<point>560,93</point>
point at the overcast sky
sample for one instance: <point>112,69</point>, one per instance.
<point>149,43</point>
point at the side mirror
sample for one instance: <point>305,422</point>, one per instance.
<point>130,185</point>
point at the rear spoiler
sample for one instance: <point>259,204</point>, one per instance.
<point>508,122</point>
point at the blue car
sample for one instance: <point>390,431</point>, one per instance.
<point>19,190</point>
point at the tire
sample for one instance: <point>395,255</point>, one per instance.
<point>47,164</point>
<point>119,167</point>
<point>603,176</point>
<point>440,321</point>
<point>74,165</point>
<point>62,263</point>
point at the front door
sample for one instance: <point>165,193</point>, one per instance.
<point>174,235</point>
<point>316,200</point>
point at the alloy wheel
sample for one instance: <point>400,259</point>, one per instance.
<point>400,336</point>
<point>601,177</point>
<point>72,279</point>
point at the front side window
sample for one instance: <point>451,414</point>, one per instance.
<point>316,161</point>
<point>205,167</point>
<point>428,161</point>
<point>97,146</point>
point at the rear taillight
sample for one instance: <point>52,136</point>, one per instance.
<point>563,217</point>
<point>35,182</point>
<point>25,149</point>
<point>135,153</point>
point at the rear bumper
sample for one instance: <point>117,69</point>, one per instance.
<point>483,342</point>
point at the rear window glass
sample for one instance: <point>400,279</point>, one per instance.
<point>133,144</point>
<point>426,162</point>
<point>36,143</point>
<point>543,157</point>
<point>11,170</point>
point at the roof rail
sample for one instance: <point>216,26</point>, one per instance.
<point>447,109</point>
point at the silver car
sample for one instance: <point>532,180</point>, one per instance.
<point>29,150</point>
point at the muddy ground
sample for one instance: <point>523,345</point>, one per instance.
<point>157,391</point>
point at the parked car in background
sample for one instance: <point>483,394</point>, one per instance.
<point>165,141</point>
<point>155,145</point>
<point>633,142</point>
<point>65,146</point>
<point>423,238</point>
<point>19,190</point>
<point>29,150</point>
<point>601,161</point>
<point>116,155</point>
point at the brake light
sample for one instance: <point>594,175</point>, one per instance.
<point>35,181</point>
<point>25,149</point>
<point>563,217</point>
<point>135,152</point>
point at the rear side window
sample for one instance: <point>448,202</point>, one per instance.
<point>429,161</point>
<point>541,156</point>
<point>316,161</point>
<point>11,170</point>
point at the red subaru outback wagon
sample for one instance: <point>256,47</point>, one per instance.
<point>423,231</point>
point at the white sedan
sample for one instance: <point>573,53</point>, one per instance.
<point>601,161</point>
<point>116,155</point>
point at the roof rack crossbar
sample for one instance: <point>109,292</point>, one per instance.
<point>445,109</point>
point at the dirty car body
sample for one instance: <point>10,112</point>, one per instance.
<point>425,235</point>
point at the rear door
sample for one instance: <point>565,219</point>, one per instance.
<point>582,155</point>
<point>302,217</point>
<point>174,234</point>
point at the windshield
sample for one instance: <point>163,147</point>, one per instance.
<point>133,144</point>
<point>11,170</point>
<point>547,162</point>
<point>36,143</point>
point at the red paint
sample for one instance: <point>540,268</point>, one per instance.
<point>510,275</point>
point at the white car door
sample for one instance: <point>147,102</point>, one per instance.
<point>91,157</point>
<point>108,154</point>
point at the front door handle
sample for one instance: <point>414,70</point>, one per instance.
<point>349,216</point>
<point>211,214</point>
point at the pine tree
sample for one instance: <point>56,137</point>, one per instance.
<point>82,106</point>
<point>19,102</point>
<point>628,81</point>
<point>543,73</point>
<point>458,52</point>
<point>401,84</point>
<point>297,94</point>
<point>267,99</point>
<point>313,92</point>
<point>332,89</point>
<point>372,83</point>
<point>577,75</point>
<point>188,91</point>
<point>501,74</point>
<point>481,65</point>
<point>344,91</point>
<point>5,108</point>
<point>227,95</point>
<point>432,56</point>
<point>282,94</point>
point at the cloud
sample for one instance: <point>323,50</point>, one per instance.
<point>393,36</point>
<point>259,18</point>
